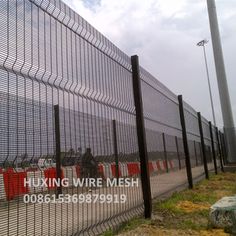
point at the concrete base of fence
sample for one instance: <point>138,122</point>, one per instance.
<point>230,168</point>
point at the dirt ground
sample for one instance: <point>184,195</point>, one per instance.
<point>156,231</point>
<point>186,213</point>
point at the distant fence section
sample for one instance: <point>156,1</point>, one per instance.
<point>51,57</point>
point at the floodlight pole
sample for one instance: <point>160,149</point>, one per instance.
<point>222,83</point>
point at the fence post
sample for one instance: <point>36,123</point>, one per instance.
<point>219,148</point>
<point>115,148</point>
<point>203,145</point>
<point>223,148</point>
<point>177,148</point>
<point>145,177</point>
<point>165,152</point>
<point>185,141</point>
<point>58,148</point>
<point>213,147</point>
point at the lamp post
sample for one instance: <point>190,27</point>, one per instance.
<point>202,44</point>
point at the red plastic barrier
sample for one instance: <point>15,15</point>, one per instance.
<point>151,169</point>
<point>78,171</point>
<point>14,183</point>
<point>51,174</point>
<point>101,171</point>
<point>133,168</point>
<point>113,170</point>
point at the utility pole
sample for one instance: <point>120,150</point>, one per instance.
<point>222,82</point>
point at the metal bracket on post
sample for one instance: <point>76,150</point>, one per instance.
<point>165,152</point>
<point>115,148</point>
<point>219,149</point>
<point>177,148</point>
<point>185,141</point>
<point>213,148</point>
<point>145,177</point>
<point>58,148</point>
<point>203,145</point>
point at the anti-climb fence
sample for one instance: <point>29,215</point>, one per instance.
<point>67,111</point>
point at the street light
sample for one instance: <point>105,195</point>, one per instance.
<point>202,44</point>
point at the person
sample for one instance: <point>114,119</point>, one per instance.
<point>89,165</point>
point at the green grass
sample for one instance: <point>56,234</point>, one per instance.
<point>188,195</point>
<point>135,223</point>
<point>108,233</point>
<point>130,225</point>
<point>205,193</point>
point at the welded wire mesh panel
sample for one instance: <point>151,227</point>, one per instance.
<point>191,121</point>
<point>199,153</point>
<point>180,146</point>
<point>208,153</point>
<point>214,132</point>
<point>155,145</point>
<point>25,138</point>
<point>206,131</point>
<point>51,56</point>
<point>127,143</point>
<point>192,153</point>
<point>162,122</point>
<point>98,135</point>
<point>161,109</point>
<point>172,152</point>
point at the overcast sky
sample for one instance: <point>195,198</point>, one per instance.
<point>164,34</point>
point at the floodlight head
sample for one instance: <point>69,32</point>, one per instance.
<point>202,43</point>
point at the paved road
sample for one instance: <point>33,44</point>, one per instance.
<point>22,219</point>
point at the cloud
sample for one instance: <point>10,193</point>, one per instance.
<point>164,34</point>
